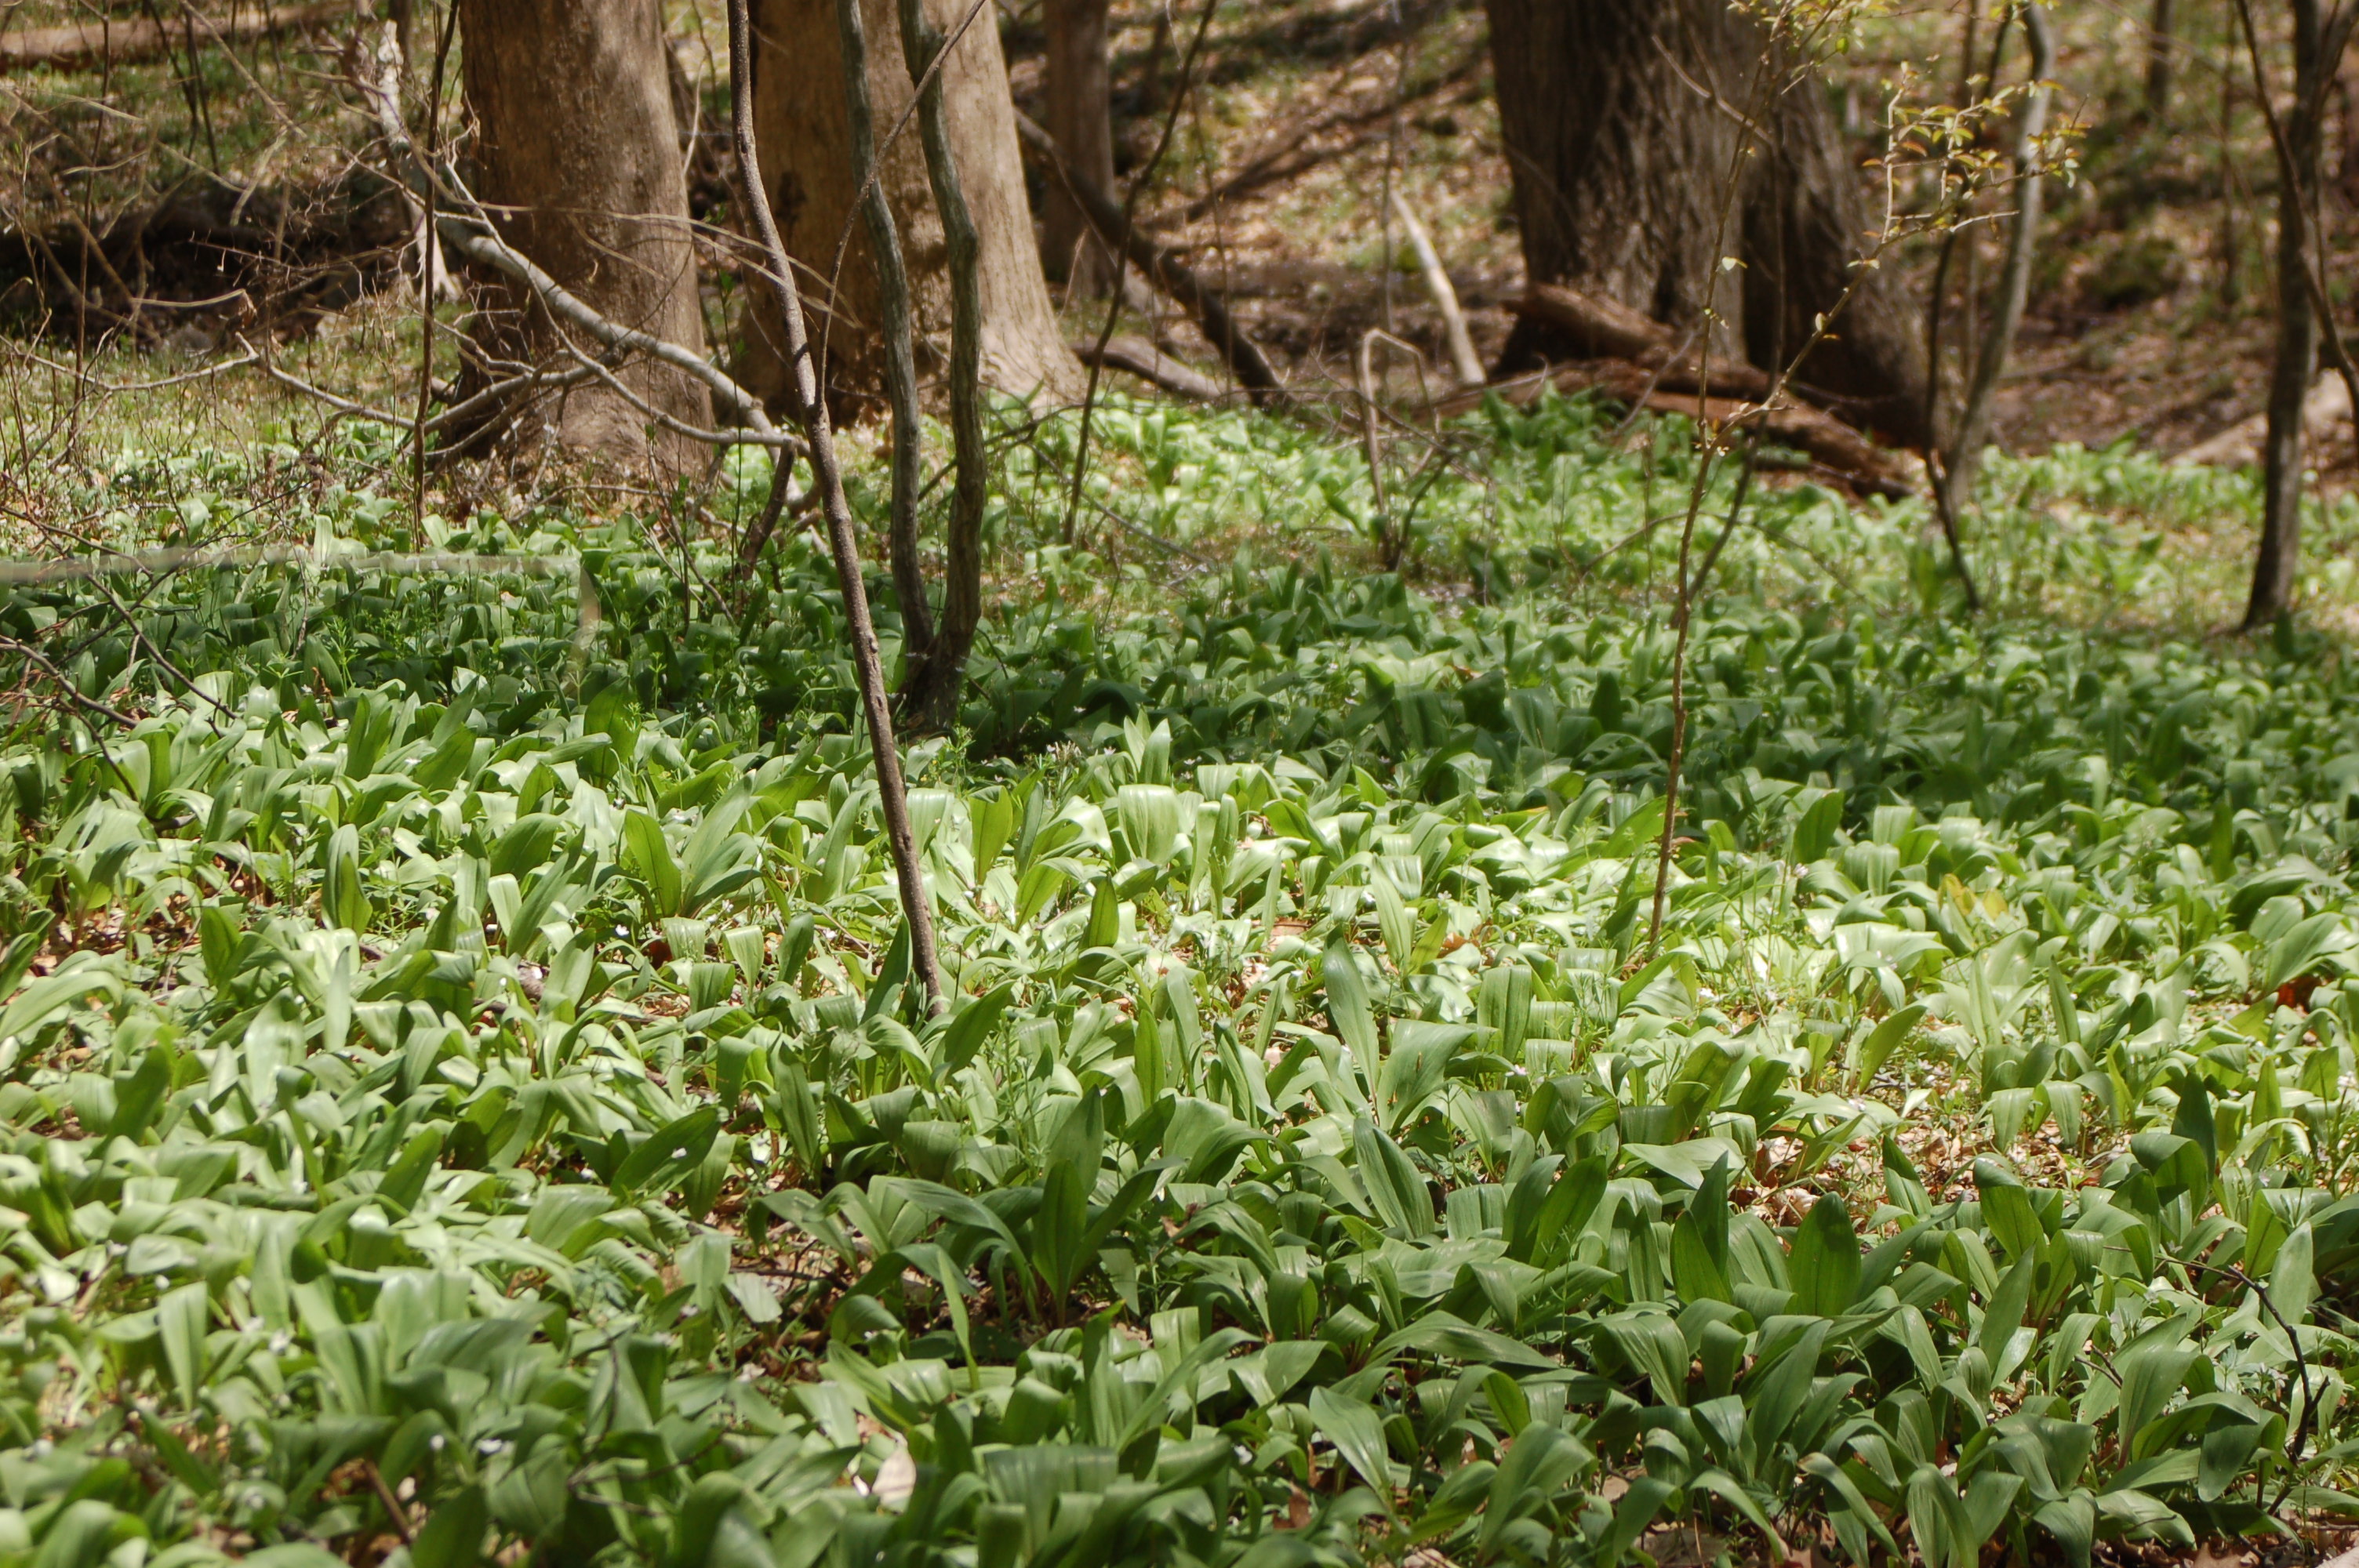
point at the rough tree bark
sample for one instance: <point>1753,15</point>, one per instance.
<point>1625,120</point>
<point>800,113</point>
<point>1081,117</point>
<point>577,146</point>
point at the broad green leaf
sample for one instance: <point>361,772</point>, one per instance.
<point>1352,1425</point>
<point>1393,1183</point>
<point>1823,1261</point>
<point>650,855</point>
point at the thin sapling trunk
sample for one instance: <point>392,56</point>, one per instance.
<point>937,677</point>
<point>809,404</point>
<point>900,351</point>
<point>1955,486</point>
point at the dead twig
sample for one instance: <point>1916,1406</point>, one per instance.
<point>1163,269</point>
<point>34,657</point>
<point>1463,360</point>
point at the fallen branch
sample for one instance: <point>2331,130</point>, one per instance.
<point>1163,268</point>
<point>1464,362</point>
<point>118,387</point>
<point>1604,329</point>
<point>498,392</point>
<point>58,677</point>
<point>1152,365</point>
<point>776,439</point>
<point>1647,366</point>
<point>485,247</point>
<point>1600,328</point>
<point>85,568</point>
<point>128,42</point>
<point>1845,452</point>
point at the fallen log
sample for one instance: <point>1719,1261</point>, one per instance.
<point>130,40</point>
<point>1151,364</point>
<point>2325,415</point>
<point>277,258</point>
<point>1163,269</point>
<point>1845,453</point>
<point>1604,329</point>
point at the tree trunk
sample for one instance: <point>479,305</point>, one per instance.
<point>2278,563</point>
<point>2161,58</point>
<point>1631,133</point>
<point>800,114</point>
<point>572,100</point>
<point>939,679</point>
<point>1081,117</point>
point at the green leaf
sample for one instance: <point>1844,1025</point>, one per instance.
<point>526,846</point>
<point>1543,1220</point>
<point>1542,1462</point>
<point>17,957</point>
<point>650,855</point>
<point>2151,1371</point>
<point>1058,1225</point>
<point>1395,1186</point>
<point>342,896</point>
<point>452,1536</point>
<point>2293,1284</point>
<point>796,1112</point>
<point>1823,1261</point>
<point>405,1182</point>
<point>180,1319</point>
<point>1358,1435</point>
<point>1392,920</point>
<point>971,1026</point>
<point>1886,1038</point>
<point>993,822</point>
<point>2072,1522</point>
<point>2008,1211</point>
<point>1150,820</point>
<point>138,1097</point>
<point>1348,1006</point>
<point>670,1153</point>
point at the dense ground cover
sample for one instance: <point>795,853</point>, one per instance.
<point>463,1091</point>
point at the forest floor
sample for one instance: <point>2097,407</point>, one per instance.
<point>2149,320</point>
<point>463,1079</point>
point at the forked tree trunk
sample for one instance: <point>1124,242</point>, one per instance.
<point>1631,129</point>
<point>577,144</point>
<point>1081,117</point>
<point>800,112</point>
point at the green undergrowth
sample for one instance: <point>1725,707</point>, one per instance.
<point>466,1093</point>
